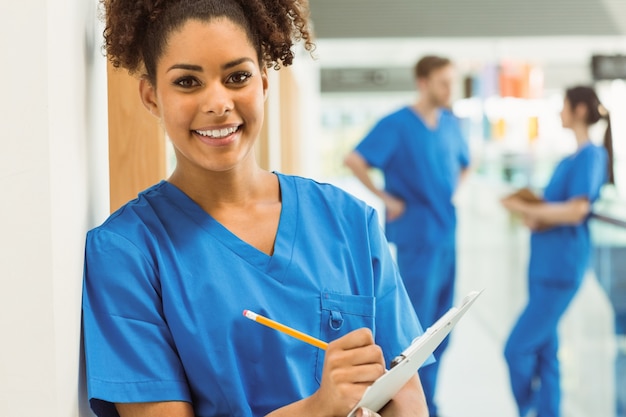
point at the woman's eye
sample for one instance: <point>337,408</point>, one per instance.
<point>239,77</point>
<point>187,82</point>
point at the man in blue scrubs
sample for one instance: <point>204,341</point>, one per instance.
<point>422,155</point>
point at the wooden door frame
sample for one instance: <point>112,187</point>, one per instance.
<point>136,140</point>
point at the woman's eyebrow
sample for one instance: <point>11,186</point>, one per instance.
<point>198,68</point>
<point>236,62</point>
<point>188,67</point>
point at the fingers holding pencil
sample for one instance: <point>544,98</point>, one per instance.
<point>351,364</point>
<point>355,358</point>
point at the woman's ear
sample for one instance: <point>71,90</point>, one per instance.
<point>148,96</point>
<point>265,81</point>
<point>581,111</point>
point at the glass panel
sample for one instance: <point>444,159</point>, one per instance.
<point>609,265</point>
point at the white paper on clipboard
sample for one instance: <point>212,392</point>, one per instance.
<point>408,362</point>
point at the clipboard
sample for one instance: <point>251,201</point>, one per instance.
<point>405,365</point>
<point>526,195</point>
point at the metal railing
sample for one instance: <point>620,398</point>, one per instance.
<point>609,264</point>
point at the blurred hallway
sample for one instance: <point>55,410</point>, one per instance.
<point>492,254</point>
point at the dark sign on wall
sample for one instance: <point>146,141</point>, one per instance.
<point>608,67</point>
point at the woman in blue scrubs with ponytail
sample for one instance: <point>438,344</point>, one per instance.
<point>560,249</point>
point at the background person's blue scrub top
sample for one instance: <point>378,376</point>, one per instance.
<point>562,253</point>
<point>166,285</point>
<point>422,167</point>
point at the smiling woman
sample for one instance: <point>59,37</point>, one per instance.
<point>168,274</point>
<point>210,100</point>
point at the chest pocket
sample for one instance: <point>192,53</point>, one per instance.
<point>342,314</point>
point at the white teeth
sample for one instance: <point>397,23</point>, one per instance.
<point>218,134</point>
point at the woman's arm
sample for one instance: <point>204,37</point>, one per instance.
<point>547,214</point>
<point>352,363</point>
<point>155,409</point>
<point>408,402</point>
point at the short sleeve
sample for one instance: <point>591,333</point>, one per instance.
<point>379,145</point>
<point>396,322</point>
<point>588,173</point>
<point>460,146</point>
<point>464,154</point>
<point>129,351</point>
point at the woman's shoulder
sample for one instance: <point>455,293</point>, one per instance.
<point>135,212</point>
<point>313,185</point>
<point>309,188</point>
<point>591,151</point>
<point>323,204</point>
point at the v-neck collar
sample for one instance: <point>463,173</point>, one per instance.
<point>421,120</point>
<point>274,265</point>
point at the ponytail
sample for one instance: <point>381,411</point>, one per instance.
<point>608,145</point>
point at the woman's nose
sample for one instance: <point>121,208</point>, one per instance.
<point>217,99</point>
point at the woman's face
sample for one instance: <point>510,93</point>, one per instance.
<point>209,95</point>
<point>567,114</point>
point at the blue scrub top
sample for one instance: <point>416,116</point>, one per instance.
<point>421,166</point>
<point>165,286</point>
<point>561,254</point>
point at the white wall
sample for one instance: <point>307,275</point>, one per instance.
<point>53,118</point>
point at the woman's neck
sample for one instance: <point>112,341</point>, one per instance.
<point>222,188</point>
<point>581,132</point>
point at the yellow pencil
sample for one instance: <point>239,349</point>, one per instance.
<point>287,330</point>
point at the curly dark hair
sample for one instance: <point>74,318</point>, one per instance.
<point>136,31</point>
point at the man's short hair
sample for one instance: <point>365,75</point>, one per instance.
<point>429,63</point>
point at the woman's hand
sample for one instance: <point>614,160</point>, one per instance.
<point>352,363</point>
<point>535,224</point>
<point>514,204</point>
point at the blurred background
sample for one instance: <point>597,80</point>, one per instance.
<point>77,144</point>
<point>513,61</point>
